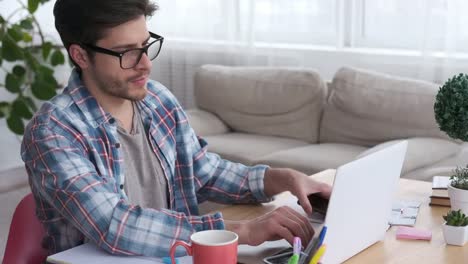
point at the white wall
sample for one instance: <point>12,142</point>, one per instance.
<point>9,142</point>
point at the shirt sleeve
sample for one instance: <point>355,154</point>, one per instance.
<point>63,175</point>
<point>219,179</point>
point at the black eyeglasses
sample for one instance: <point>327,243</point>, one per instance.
<point>131,57</point>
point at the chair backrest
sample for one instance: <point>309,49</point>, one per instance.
<point>25,236</point>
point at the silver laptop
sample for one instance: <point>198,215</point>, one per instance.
<point>361,202</point>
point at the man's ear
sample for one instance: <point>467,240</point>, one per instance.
<point>79,55</point>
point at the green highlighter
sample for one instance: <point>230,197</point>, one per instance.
<point>297,251</point>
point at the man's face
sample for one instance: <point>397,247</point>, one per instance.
<point>105,71</point>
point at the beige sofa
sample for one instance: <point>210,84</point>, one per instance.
<point>288,117</point>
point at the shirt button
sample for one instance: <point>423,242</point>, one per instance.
<point>121,186</point>
<point>112,120</point>
<point>117,145</point>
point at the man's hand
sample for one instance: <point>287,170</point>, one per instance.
<point>283,222</point>
<point>298,183</point>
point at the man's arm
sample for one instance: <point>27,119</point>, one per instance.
<point>67,180</point>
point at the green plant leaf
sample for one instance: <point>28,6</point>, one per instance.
<point>33,5</point>
<point>29,101</point>
<point>1,56</point>
<point>26,23</point>
<point>450,107</point>
<point>43,90</point>
<point>20,108</point>
<point>11,51</point>
<point>31,61</point>
<point>2,20</point>
<point>4,109</point>
<point>46,48</point>
<point>15,32</point>
<point>15,124</point>
<point>19,71</point>
<point>27,37</point>
<point>12,83</point>
<point>57,58</point>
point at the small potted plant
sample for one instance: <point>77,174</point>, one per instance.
<point>458,190</point>
<point>451,113</point>
<point>455,228</point>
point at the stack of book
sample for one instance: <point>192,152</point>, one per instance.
<point>439,191</point>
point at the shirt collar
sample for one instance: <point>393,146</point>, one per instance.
<point>88,105</point>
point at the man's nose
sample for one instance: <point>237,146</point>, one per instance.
<point>144,62</point>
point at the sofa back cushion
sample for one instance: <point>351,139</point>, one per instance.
<point>263,100</point>
<point>368,108</point>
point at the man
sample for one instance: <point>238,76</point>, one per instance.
<point>113,159</point>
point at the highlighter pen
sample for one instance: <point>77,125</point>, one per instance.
<point>318,255</point>
<point>322,236</point>
<point>296,251</point>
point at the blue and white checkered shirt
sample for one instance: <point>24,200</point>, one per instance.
<point>75,167</point>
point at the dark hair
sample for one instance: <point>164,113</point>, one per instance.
<point>85,21</point>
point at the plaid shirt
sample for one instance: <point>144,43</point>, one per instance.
<point>72,155</point>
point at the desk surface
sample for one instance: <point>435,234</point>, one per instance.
<point>390,250</point>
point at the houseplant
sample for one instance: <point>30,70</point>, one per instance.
<point>455,228</point>
<point>27,61</point>
<point>451,113</point>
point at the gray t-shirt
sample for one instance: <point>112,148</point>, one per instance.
<point>145,183</point>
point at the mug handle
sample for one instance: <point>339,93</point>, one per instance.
<point>173,249</point>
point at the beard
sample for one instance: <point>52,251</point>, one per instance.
<point>119,87</point>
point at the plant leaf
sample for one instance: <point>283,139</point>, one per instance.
<point>42,90</point>
<point>12,83</point>
<point>11,51</point>
<point>26,23</point>
<point>15,32</point>
<point>33,5</point>
<point>4,109</point>
<point>46,48</point>
<point>27,37</point>
<point>15,124</point>
<point>57,58</point>
<point>2,20</point>
<point>29,101</point>
<point>20,108</point>
<point>19,71</point>
<point>31,61</point>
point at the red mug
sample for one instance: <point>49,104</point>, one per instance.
<point>210,246</point>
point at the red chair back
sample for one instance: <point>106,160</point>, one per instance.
<point>25,236</point>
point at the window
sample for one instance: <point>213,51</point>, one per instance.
<point>433,25</point>
<point>416,25</point>
<point>248,21</point>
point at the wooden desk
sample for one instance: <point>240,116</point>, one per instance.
<point>390,250</point>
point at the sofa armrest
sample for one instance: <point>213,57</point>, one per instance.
<point>205,123</point>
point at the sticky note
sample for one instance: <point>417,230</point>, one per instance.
<point>404,232</point>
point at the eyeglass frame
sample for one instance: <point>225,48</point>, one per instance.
<point>121,54</point>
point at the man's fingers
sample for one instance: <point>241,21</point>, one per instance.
<point>285,233</point>
<point>304,201</point>
<point>306,223</point>
<point>294,222</point>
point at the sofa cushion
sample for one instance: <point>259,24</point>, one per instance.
<point>205,123</point>
<point>265,101</point>
<point>313,158</point>
<point>444,167</point>
<point>246,148</point>
<point>368,108</point>
<point>421,151</point>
